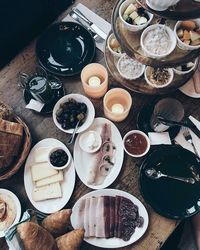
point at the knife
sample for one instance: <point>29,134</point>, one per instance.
<point>192,126</point>
<point>91,24</point>
<point>80,21</point>
<point>186,123</point>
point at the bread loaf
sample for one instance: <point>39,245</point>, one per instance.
<point>34,237</point>
<point>11,127</point>
<point>5,112</point>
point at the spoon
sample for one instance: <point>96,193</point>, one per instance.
<point>153,174</point>
<point>71,139</point>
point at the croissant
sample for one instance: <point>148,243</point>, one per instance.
<point>35,237</point>
<point>57,223</point>
<point>71,240</point>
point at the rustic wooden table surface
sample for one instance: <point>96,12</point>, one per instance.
<point>43,127</point>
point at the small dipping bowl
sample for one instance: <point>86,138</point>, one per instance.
<point>90,137</point>
<point>99,72</point>
<point>57,157</point>
<point>117,103</point>
<point>132,27</point>
<point>109,41</point>
<point>154,85</point>
<point>181,72</point>
<point>181,44</point>
<point>136,143</point>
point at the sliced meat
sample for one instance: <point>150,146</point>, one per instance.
<point>117,202</point>
<point>112,216</point>
<point>79,215</point>
<point>86,217</point>
<point>92,217</point>
<point>100,221</point>
<point>120,226</point>
<point>107,215</point>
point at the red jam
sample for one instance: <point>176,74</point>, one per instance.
<point>135,144</point>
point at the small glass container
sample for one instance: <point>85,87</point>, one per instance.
<point>117,103</point>
<point>94,78</point>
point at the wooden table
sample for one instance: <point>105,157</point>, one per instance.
<point>43,127</point>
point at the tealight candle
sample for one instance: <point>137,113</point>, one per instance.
<point>94,78</point>
<point>117,103</point>
<point>117,108</point>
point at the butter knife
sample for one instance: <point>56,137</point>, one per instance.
<point>80,21</point>
<point>91,24</point>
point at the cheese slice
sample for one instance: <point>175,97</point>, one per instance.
<point>55,178</point>
<point>42,170</point>
<point>50,191</point>
<point>41,154</point>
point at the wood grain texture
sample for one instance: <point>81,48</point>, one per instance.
<point>42,127</point>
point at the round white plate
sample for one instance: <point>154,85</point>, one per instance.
<point>17,204</point>
<point>188,89</point>
<point>78,98</point>
<point>83,159</point>
<point>115,242</point>
<point>51,205</point>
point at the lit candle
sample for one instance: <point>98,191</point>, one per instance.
<point>94,78</point>
<point>117,108</point>
<point>94,81</point>
<point>117,103</point>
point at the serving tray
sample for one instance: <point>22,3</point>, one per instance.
<point>130,43</point>
<point>140,85</point>
<point>183,10</point>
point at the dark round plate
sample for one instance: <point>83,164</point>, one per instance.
<point>65,48</point>
<point>48,108</point>
<point>171,198</point>
<point>144,117</point>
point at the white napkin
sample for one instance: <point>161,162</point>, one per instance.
<point>35,105</point>
<point>159,138</point>
<point>99,21</point>
<point>196,140</point>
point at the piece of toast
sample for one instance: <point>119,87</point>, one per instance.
<point>11,127</point>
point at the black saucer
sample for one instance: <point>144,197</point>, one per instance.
<point>143,121</point>
<point>171,198</point>
<point>65,48</point>
<point>48,108</point>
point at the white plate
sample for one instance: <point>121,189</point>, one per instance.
<point>188,89</point>
<point>78,98</point>
<point>83,159</point>
<point>51,205</point>
<point>17,204</point>
<point>115,242</point>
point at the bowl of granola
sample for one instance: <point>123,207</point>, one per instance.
<point>158,77</point>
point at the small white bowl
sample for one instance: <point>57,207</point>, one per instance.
<point>181,44</point>
<point>90,112</point>
<point>169,32</point>
<point>83,141</point>
<point>129,26</point>
<point>146,73</point>
<point>68,154</point>
<point>180,72</point>
<point>116,54</point>
<point>125,56</point>
<point>144,135</point>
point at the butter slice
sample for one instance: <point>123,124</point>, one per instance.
<point>50,191</point>
<point>52,179</point>
<point>42,170</point>
<point>41,154</point>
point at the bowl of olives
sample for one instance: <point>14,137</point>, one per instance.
<point>72,109</point>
